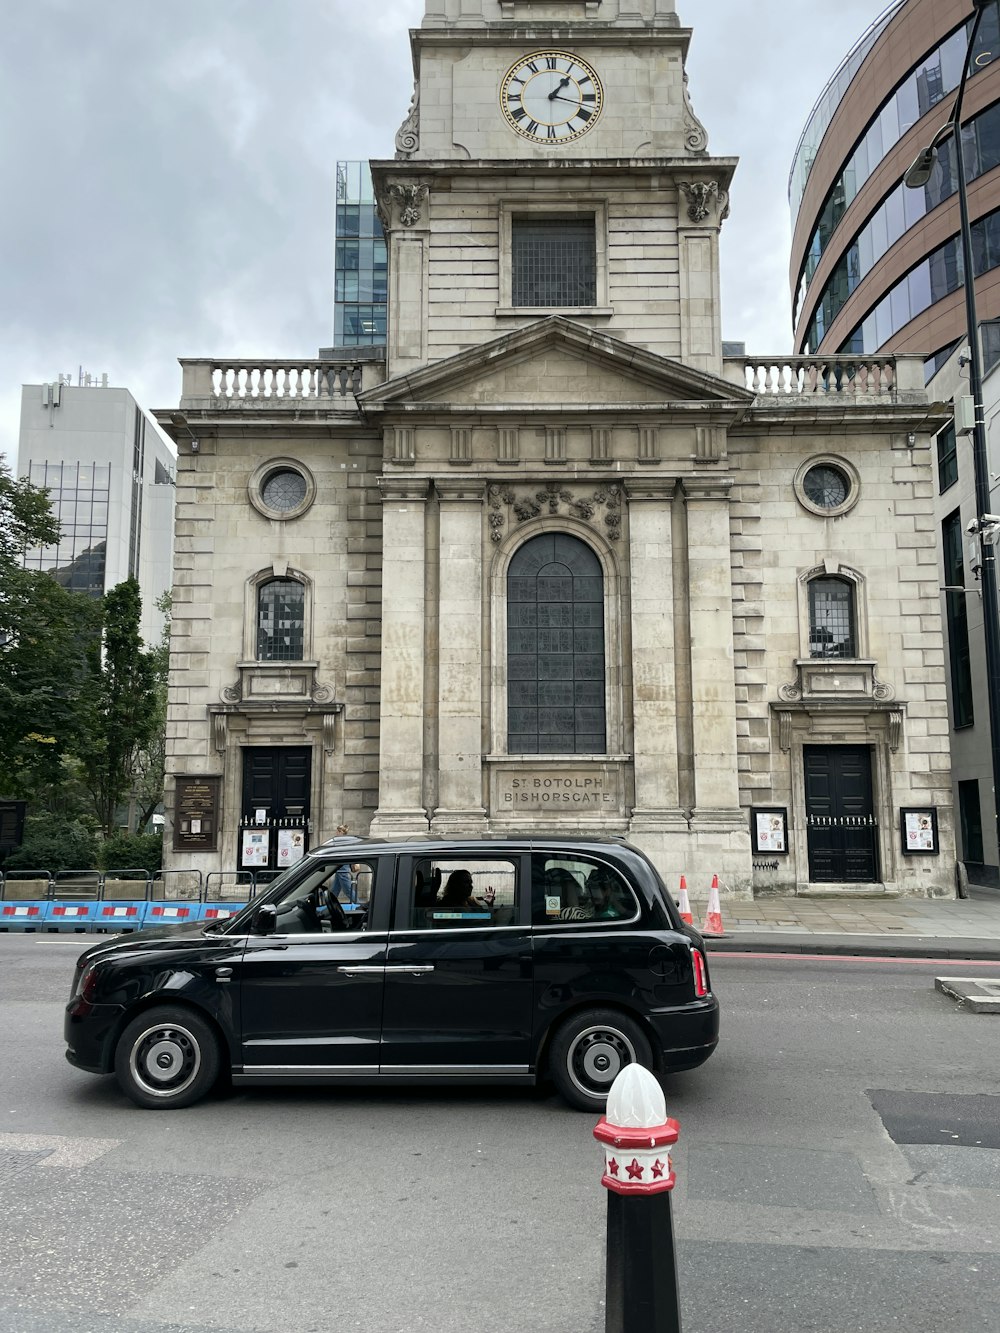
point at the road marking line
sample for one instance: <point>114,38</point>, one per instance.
<point>714,955</point>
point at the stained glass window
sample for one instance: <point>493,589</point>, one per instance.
<point>555,648</point>
<point>831,618</point>
<point>280,621</point>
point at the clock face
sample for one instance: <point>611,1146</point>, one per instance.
<point>551,97</point>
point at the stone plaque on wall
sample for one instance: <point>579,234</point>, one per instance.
<point>196,814</point>
<point>570,791</point>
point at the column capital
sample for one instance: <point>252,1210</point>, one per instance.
<point>708,488</point>
<point>650,488</point>
<point>471,489</point>
<point>412,489</point>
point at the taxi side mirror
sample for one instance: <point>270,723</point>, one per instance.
<point>265,920</point>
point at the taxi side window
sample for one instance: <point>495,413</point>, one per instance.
<point>571,889</point>
<point>443,895</point>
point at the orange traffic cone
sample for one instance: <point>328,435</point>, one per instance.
<point>713,917</point>
<point>684,903</point>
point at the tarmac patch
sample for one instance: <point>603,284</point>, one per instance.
<point>953,1120</point>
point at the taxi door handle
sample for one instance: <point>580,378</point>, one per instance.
<point>413,970</point>
<point>360,971</point>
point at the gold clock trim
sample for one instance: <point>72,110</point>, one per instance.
<point>533,136</point>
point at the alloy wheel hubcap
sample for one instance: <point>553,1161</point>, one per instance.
<point>597,1057</point>
<point>165,1060</point>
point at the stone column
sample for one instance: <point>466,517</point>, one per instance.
<point>703,207</point>
<point>460,660</point>
<point>401,806</point>
<point>713,679</point>
<point>404,205</point>
<point>654,686</point>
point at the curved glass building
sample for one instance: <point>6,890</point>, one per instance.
<point>876,267</point>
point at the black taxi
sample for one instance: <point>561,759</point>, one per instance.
<point>489,960</point>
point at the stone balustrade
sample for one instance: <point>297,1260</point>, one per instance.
<point>838,377</point>
<point>277,382</point>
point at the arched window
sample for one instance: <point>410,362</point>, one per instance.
<point>280,621</point>
<point>831,618</point>
<point>555,648</point>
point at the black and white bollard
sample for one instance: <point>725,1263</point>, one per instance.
<point>641,1270</point>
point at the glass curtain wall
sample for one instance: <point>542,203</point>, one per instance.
<point>79,495</point>
<point>360,268</point>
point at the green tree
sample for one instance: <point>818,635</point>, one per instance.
<point>120,704</point>
<point>147,790</point>
<point>45,633</point>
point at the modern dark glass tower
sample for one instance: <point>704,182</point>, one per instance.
<point>360,264</point>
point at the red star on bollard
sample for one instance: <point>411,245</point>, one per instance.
<point>613,1167</point>
<point>635,1170</point>
<point>657,1168</point>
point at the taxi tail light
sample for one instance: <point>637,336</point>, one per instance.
<point>701,986</point>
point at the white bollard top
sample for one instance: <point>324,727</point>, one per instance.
<point>636,1100</point>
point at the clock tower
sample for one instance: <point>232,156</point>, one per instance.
<point>555,601</point>
<point>552,161</point>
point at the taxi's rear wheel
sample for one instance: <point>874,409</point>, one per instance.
<point>590,1050</point>
<point>167,1057</point>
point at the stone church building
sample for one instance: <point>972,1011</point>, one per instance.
<point>551,560</point>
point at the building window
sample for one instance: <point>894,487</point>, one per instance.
<point>553,262</point>
<point>284,490</point>
<point>963,714</point>
<point>827,486</point>
<point>947,457</point>
<point>971,821</point>
<point>280,621</point>
<point>555,648</point>
<point>79,494</point>
<point>831,618</point>
<point>281,488</point>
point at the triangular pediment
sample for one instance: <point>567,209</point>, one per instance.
<point>555,361</point>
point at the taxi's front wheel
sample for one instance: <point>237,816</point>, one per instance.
<point>167,1057</point>
<point>590,1050</point>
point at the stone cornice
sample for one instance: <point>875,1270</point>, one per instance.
<point>461,488</point>
<point>721,167</point>
<point>581,33</point>
<point>410,488</point>
<point>651,488</point>
<point>802,416</point>
<point>697,487</point>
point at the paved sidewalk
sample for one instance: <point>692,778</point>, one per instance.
<point>962,928</point>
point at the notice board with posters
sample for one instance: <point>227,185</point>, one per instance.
<point>196,814</point>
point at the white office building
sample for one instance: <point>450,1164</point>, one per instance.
<point>110,476</point>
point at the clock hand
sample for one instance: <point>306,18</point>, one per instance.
<point>573,101</point>
<point>556,91</point>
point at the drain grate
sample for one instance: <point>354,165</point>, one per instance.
<point>12,1161</point>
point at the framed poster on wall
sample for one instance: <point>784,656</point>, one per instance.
<point>255,846</point>
<point>769,829</point>
<point>918,827</point>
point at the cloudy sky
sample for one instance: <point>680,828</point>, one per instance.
<point>168,169</point>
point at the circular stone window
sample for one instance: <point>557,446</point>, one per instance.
<point>282,488</point>
<point>827,486</point>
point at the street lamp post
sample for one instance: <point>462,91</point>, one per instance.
<point>915,178</point>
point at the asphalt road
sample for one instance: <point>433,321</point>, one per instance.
<point>833,1175</point>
